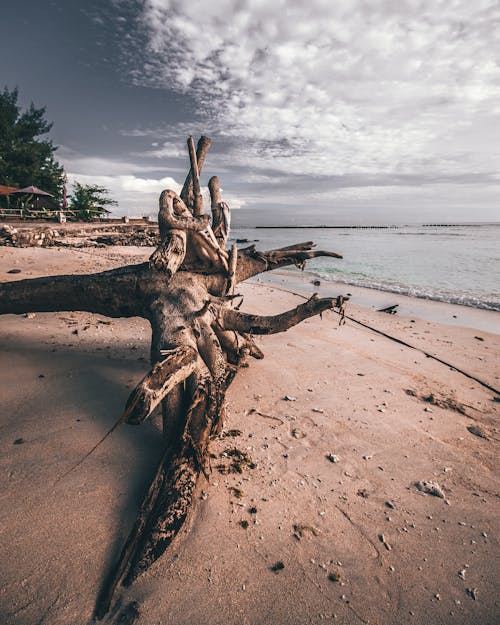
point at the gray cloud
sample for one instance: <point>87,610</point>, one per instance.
<point>347,87</point>
<point>373,105</point>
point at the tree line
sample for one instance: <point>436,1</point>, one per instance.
<point>27,157</point>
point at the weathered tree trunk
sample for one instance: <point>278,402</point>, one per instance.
<point>198,343</point>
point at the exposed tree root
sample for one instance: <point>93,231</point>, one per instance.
<point>199,341</point>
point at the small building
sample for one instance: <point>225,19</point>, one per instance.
<point>5,204</point>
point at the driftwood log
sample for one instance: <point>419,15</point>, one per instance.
<point>199,340</point>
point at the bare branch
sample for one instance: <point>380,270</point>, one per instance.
<point>195,174</point>
<point>118,572</point>
<point>201,151</point>
<point>258,324</point>
<point>302,247</point>
<point>204,249</point>
<point>252,262</point>
<point>221,214</point>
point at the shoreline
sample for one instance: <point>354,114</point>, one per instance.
<point>290,280</point>
<point>374,226</point>
<point>372,298</point>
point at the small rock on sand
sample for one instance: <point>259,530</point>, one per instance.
<point>430,488</point>
<point>332,457</point>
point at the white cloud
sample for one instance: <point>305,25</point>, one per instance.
<point>136,195</point>
<point>333,87</point>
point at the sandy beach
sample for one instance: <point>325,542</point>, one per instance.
<point>328,525</point>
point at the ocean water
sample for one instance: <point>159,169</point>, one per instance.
<point>456,264</point>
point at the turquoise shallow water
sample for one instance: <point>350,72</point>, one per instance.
<point>456,264</point>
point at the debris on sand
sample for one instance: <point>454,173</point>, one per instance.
<point>390,310</point>
<point>289,398</point>
<point>382,539</point>
<point>478,431</point>
<point>27,237</point>
<point>430,488</point>
<point>237,492</point>
<point>441,402</point>
<point>238,461</point>
<point>266,416</point>
<point>332,457</point>
<point>300,530</point>
<point>277,566</point>
<point>472,593</point>
<point>334,576</point>
<point>231,434</point>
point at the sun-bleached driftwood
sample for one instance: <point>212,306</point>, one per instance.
<point>199,341</point>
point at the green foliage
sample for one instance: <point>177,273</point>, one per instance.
<point>89,200</point>
<point>25,157</point>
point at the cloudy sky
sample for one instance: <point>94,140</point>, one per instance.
<point>333,112</point>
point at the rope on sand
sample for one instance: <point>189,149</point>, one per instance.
<point>418,349</point>
<point>401,342</point>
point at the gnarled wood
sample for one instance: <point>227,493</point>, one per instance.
<point>198,344</point>
<point>166,374</point>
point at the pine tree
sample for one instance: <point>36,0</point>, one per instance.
<point>26,158</point>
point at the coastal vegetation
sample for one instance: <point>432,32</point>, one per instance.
<point>27,156</point>
<point>90,200</point>
<point>31,179</point>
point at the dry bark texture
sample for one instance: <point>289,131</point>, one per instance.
<point>199,341</point>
